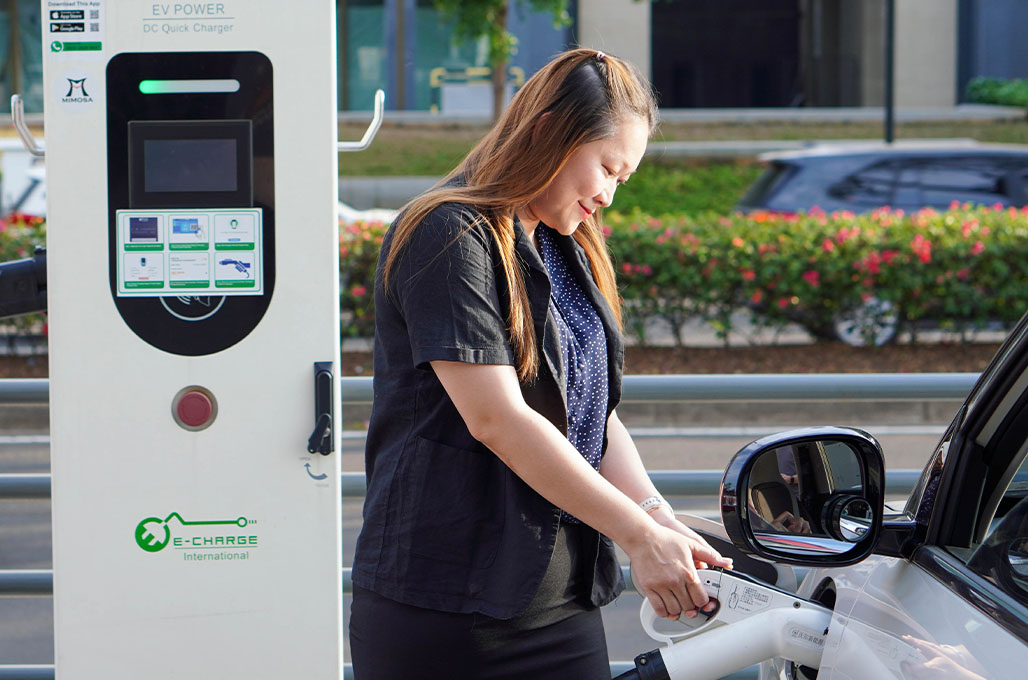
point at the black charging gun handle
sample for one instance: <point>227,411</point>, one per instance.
<point>23,285</point>
<point>321,440</point>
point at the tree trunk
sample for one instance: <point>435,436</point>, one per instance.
<point>500,70</point>
<point>499,89</point>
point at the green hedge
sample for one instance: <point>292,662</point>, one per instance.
<point>963,268</point>
<point>998,91</point>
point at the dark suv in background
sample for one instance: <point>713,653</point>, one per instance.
<point>862,176</point>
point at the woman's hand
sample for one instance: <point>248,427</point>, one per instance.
<point>665,517</point>
<point>789,523</point>
<point>664,563</point>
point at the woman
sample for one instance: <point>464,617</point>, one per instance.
<point>496,465</point>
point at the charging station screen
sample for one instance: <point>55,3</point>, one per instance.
<point>190,165</point>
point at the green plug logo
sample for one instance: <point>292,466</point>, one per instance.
<point>153,533</point>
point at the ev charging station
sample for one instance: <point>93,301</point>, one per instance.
<point>194,330</point>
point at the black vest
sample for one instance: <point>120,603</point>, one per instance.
<point>447,525</point>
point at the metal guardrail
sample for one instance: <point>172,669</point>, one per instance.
<point>692,483</point>
<point>764,387</point>
<point>683,388</point>
<point>687,483</point>
<point>24,391</point>
<point>706,388</point>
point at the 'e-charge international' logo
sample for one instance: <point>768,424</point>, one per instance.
<point>154,534</point>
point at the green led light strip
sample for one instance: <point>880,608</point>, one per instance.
<point>188,86</point>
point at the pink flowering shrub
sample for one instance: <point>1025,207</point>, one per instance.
<point>962,268</point>
<point>359,243</point>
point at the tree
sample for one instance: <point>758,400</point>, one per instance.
<point>475,19</point>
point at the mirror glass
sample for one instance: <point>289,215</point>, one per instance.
<point>1018,558</point>
<point>808,498</point>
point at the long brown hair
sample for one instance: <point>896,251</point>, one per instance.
<point>584,95</point>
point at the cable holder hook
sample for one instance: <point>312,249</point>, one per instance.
<point>18,118</point>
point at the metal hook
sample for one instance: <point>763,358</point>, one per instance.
<point>372,130</point>
<point>18,118</point>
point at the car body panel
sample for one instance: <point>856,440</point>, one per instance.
<point>862,177</point>
<point>926,611</point>
<point>889,616</point>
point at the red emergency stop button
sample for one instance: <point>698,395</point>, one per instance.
<point>194,408</point>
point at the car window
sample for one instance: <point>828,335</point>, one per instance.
<point>922,500</point>
<point>936,182</point>
<point>972,180</point>
<point>872,186</point>
<point>1002,554</point>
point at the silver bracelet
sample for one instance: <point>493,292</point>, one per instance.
<point>653,502</point>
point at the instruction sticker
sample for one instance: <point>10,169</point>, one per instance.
<point>190,252</point>
<point>143,233</point>
<point>234,232</point>
<point>189,270</point>
<point>189,232</point>
<point>235,271</point>
<point>74,28</point>
<point>144,271</point>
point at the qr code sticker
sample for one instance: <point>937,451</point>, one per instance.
<point>94,14</point>
<point>94,27</point>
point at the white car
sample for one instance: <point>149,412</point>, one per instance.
<point>933,588</point>
<point>936,589</point>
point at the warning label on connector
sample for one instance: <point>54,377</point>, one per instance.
<point>806,637</point>
<point>748,599</point>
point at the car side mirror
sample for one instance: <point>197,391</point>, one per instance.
<point>813,496</point>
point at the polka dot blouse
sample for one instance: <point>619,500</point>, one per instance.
<point>583,347</point>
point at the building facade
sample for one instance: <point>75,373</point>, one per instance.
<point>698,53</point>
<point>21,54</point>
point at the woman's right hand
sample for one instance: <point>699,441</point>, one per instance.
<point>664,564</point>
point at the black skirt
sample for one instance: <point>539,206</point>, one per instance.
<point>559,636</point>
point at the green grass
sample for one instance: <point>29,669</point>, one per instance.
<point>1015,132</point>
<point>689,186</point>
<point>436,149</point>
<point>408,150</point>
<point>657,189</point>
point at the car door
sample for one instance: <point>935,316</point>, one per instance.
<point>952,600</point>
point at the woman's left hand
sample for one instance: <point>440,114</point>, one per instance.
<point>666,518</point>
